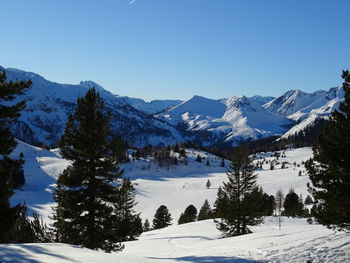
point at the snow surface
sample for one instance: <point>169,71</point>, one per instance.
<point>177,186</point>
<point>201,242</point>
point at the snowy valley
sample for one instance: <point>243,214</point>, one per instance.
<point>177,186</point>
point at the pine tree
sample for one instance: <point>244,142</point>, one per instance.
<point>25,230</point>
<point>162,218</point>
<point>240,210</point>
<point>8,166</point>
<point>127,223</point>
<point>208,184</point>
<point>329,169</point>
<point>86,189</point>
<point>220,204</point>
<point>189,215</point>
<point>293,205</point>
<point>205,211</point>
<point>199,158</point>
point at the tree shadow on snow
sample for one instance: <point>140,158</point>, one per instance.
<point>24,254</point>
<point>209,259</point>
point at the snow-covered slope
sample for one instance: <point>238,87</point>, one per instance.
<point>200,242</point>
<point>150,107</point>
<point>178,186</point>
<point>48,105</point>
<point>197,119</point>
<point>305,108</point>
<point>230,119</point>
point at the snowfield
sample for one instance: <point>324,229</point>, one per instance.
<point>200,242</point>
<point>177,186</point>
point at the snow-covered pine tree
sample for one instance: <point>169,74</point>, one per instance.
<point>329,169</point>
<point>162,218</point>
<point>239,209</point>
<point>86,189</point>
<point>205,211</point>
<point>8,166</point>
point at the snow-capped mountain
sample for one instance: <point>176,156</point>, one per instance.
<point>48,105</point>
<point>150,107</point>
<point>304,107</point>
<point>235,118</point>
<point>203,120</point>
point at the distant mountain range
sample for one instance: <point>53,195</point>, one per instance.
<point>162,122</point>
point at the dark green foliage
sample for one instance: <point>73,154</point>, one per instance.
<point>25,230</point>
<point>207,163</point>
<point>146,226</point>
<point>162,218</point>
<point>329,169</point>
<point>118,148</point>
<point>127,223</point>
<point>199,158</point>
<point>235,204</point>
<point>293,205</point>
<point>189,215</point>
<point>220,204</point>
<point>18,178</point>
<point>205,211</point>
<point>208,184</point>
<point>9,167</point>
<point>264,203</point>
<point>87,189</point>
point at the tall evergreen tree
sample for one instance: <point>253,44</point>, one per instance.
<point>205,211</point>
<point>239,211</point>
<point>86,189</point>
<point>162,218</point>
<point>128,223</point>
<point>329,169</point>
<point>8,167</point>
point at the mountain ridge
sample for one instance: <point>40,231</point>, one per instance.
<point>162,122</point>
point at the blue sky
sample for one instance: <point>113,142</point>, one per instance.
<point>174,49</point>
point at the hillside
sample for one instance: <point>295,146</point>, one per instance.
<point>177,186</point>
<point>162,122</point>
<point>48,105</point>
